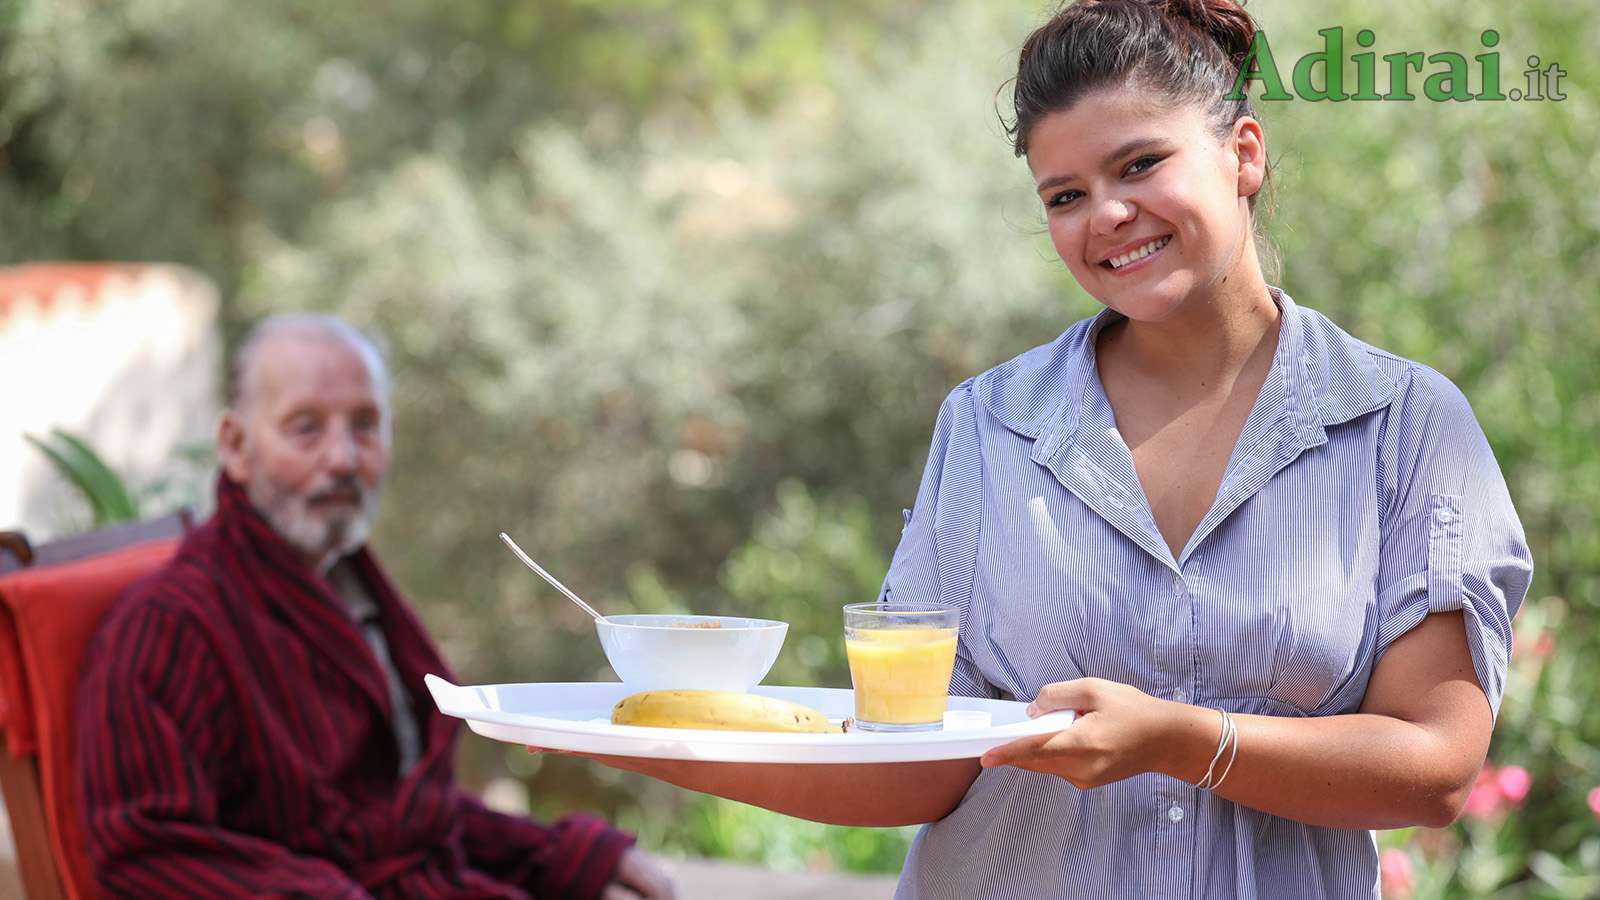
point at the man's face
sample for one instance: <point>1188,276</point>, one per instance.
<point>310,443</point>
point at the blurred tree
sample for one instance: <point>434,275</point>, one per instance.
<point>174,129</point>
<point>642,263</point>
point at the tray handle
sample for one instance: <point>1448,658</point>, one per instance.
<point>453,700</point>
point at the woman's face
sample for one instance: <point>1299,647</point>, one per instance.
<point>1145,205</point>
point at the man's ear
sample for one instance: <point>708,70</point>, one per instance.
<point>230,446</point>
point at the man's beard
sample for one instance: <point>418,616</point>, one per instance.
<point>324,535</point>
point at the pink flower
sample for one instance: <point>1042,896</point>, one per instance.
<point>1594,802</point>
<point>1513,782</point>
<point>1484,801</point>
<point>1544,646</point>
<point>1399,878</point>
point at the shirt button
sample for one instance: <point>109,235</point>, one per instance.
<point>1177,586</point>
<point>1443,516</point>
<point>1178,695</point>
<point>1175,814</point>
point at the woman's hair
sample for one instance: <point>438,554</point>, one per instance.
<point>1184,51</point>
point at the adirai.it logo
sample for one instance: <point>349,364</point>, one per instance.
<point>1446,76</point>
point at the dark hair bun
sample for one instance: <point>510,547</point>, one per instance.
<point>1185,50</point>
<point>1224,21</point>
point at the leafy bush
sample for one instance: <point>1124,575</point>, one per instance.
<point>629,296</point>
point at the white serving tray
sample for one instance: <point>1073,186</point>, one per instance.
<point>576,716</point>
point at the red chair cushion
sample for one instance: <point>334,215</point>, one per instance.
<point>16,712</point>
<point>53,612</point>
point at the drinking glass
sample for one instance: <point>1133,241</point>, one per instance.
<point>901,654</point>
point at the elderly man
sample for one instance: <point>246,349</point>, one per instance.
<point>253,720</point>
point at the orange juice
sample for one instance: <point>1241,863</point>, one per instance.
<point>901,675</point>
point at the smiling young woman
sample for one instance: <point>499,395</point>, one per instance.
<point>1272,567</point>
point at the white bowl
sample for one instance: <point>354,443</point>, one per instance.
<point>706,653</point>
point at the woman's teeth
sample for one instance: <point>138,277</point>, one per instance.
<point>1117,262</point>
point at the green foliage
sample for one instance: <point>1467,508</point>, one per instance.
<point>674,291</point>
<point>802,564</point>
<point>1443,233</point>
<point>114,116</point>
<point>108,498</point>
<point>711,826</point>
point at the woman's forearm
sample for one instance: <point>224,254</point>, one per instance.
<point>1349,771</point>
<point>1408,757</point>
<point>878,795</point>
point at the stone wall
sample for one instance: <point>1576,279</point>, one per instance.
<point>128,356</point>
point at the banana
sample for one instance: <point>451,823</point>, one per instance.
<point>719,711</point>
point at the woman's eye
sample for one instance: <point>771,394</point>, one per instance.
<point>1142,164</point>
<point>1061,199</point>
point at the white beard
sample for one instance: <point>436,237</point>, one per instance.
<point>324,536</point>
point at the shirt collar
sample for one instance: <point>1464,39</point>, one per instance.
<point>1327,376</point>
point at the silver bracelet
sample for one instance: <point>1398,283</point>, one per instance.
<point>1206,784</point>
<point>1231,756</point>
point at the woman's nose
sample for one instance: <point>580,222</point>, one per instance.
<point>1110,213</point>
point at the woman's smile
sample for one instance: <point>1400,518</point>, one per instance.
<point>1130,258</point>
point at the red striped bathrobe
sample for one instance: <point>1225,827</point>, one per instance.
<point>234,740</point>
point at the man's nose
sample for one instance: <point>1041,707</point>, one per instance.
<point>342,454</point>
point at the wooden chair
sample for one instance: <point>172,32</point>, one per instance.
<point>51,599</point>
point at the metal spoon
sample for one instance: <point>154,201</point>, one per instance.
<point>548,577</point>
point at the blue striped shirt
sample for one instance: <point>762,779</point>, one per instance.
<point>1361,496</point>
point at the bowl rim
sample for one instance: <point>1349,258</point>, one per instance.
<point>758,624</point>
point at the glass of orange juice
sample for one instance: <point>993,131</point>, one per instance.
<point>901,655</point>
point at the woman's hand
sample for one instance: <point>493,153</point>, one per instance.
<point>1120,731</point>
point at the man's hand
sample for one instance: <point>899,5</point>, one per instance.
<point>639,876</point>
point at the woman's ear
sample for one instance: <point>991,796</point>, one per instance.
<point>1249,146</point>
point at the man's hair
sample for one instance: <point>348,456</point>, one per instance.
<point>323,326</point>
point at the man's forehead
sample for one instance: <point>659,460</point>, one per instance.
<point>296,362</point>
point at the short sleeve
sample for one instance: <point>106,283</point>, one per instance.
<point>1450,537</point>
<point>936,560</point>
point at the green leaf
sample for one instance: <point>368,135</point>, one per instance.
<point>104,490</point>
<point>110,485</point>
